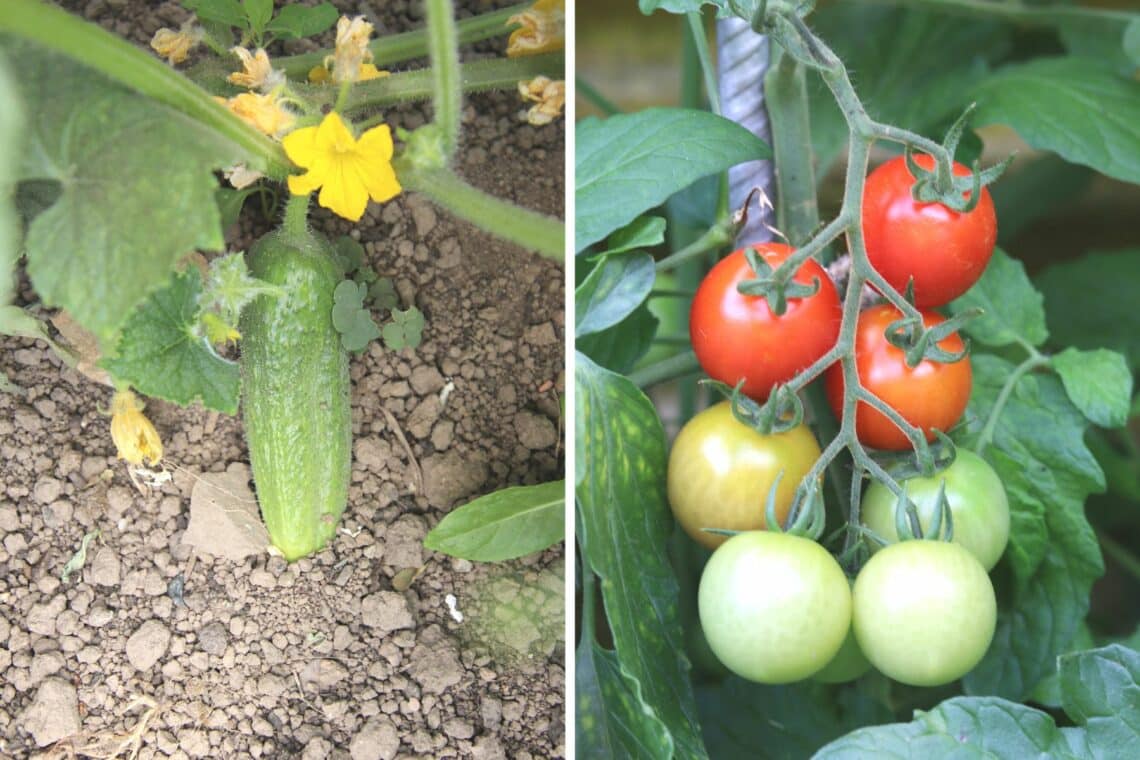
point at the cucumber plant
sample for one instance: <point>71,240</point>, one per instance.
<point>114,157</point>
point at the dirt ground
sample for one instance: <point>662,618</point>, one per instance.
<point>324,658</point>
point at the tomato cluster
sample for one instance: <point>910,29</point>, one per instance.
<point>776,607</point>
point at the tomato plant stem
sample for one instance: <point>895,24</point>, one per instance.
<point>714,237</point>
<point>700,40</point>
<point>785,88</point>
<point>1123,557</point>
<point>1032,362</point>
<point>443,49</point>
<point>676,366</point>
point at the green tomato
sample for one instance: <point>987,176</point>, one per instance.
<point>775,608</point>
<point>924,612</point>
<point>977,502</point>
<point>848,663</point>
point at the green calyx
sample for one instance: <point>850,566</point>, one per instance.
<point>908,526</point>
<point>941,185</point>
<point>775,285</point>
<point>919,342</point>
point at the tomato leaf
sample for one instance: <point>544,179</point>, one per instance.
<point>161,355</point>
<point>627,164</point>
<point>1039,452</point>
<point>642,232</point>
<point>623,524</point>
<point>1091,302</point>
<point>616,286</point>
<point>509,523</point>
<point>130,207</point>
<point>1012,310</point>
<point>619,347</point>
<point>1100,689</point>
<point>1093,116</point>
<point>1098,383</point>
<point>609,720</point>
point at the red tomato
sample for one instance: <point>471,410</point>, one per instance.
<point>929,396</point>
<point>736,336</point>
<point>943,250</point>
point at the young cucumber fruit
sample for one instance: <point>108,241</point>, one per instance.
<point>295,388</point>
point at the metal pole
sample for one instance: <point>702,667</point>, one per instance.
<point>742,60</point>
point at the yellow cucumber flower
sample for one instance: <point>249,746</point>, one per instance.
<point>543,29</point>
<point>256,73</point>
<point>133,434</point>
<point>348,171</point>
<point>175,46</point>
<point>549,97</point>
<point>264,113</point>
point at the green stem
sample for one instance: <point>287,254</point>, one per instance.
<point>588,603</point>
<point>97,48</point>
<point>1034,15</point>
<point>295,226</point>
<point>785,89</point>
<point>1032,362</point>
<point>408,45</point>
<point>700,41</point>
<point>592,95</point>
<point>721,233</point>
<point>409,86</point>
<point>443,51</point>
<point>677,366</point>
<point>1125,558</point>
<point>529,229</point>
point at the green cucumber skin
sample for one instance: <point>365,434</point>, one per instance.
<point>295,389</point>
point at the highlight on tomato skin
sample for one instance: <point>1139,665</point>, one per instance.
<point>943,250</point>
<point>929,396</point>
<point>738,337</point>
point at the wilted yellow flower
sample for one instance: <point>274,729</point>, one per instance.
<point>348,171</point>
<point>256,73</point>
<point>543,29</point>
<point>218,331</point>
<point>263,112</point>
<point>351,48</point>
<point>175,46</point>
<point>321,75</point>
<point>133,434</point>
<point>549,97</point>
<point>240,175</point>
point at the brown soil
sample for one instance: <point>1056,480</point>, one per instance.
<point>321,658</point>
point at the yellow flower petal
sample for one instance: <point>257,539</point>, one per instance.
<point>343,194</point>
<point>303,184</point>
<point>369,71</point>
<point>319,75</point>
<point>301,146</point>
<point>332,134</point>
<point>377,141</point>
<point>134,435</point>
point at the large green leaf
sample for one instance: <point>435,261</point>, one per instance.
<point>743,719</point>
<point>627,164</point>
<point>1011,308</point>
<point>911,68</point>
<point>161,353</point>
<point>619,346</point>
<point>624,522</point>
<point>1098,382</point>
<point>615,287</point>
<point>1099,693</point>
<point>1039,452</point>
<point>609,722</point>
<point>505,524</point>
<point>964,728</point>
<point>1080,109</point>
<point>1090,302</point>
<point>137,189</point>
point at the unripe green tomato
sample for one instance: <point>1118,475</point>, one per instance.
<point>977,502</point>
<point>848,663</point>
<point>924,612</point>
<point>775,608</point>
<point>720,472</point>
